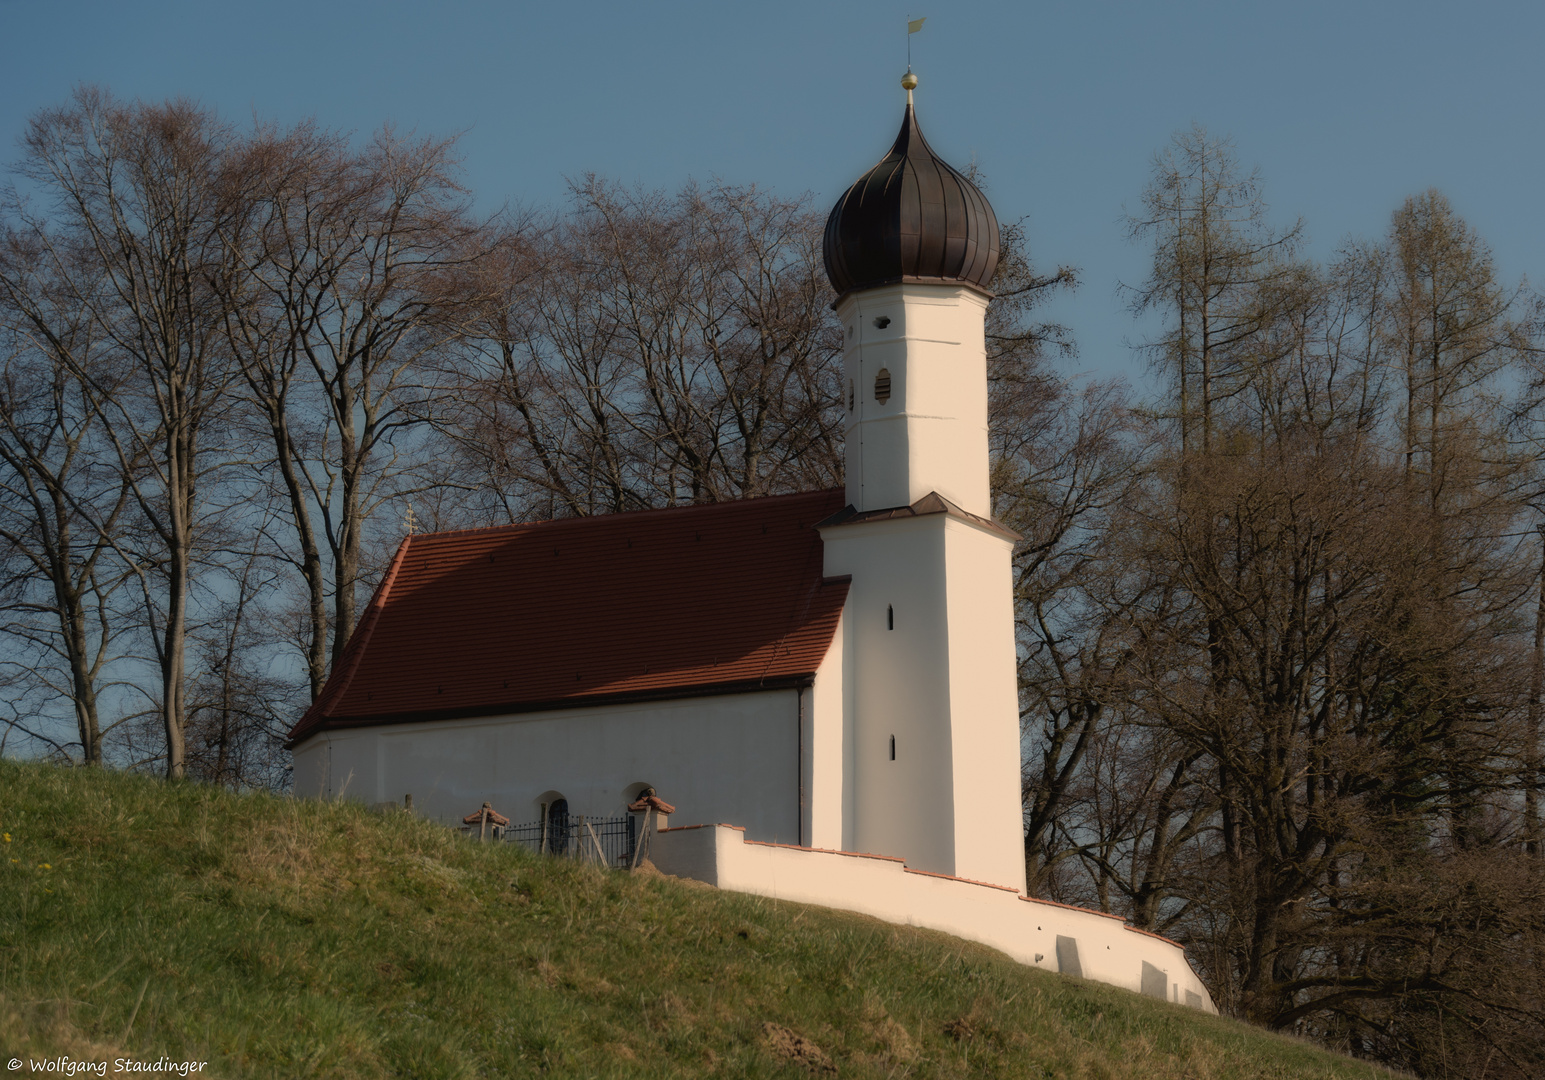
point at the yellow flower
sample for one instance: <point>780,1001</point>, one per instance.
<point>45,866</point>
<point>7,838</point>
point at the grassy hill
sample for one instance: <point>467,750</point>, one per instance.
<point>280,938</point>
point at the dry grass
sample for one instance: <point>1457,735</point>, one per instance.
<point>281,938</point>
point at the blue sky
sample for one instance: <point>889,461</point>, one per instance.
<point>1346,107</point>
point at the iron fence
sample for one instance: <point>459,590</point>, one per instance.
<point>609,841</point>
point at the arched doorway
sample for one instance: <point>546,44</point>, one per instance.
<point>558,826</point>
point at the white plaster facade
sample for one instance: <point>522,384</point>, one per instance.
<point>733,758</point>
<point>931,749</point>
<point>930,434</point>
<point>931,739</point>
<point>907,741</point>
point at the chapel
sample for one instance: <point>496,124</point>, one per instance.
<point>815,693</point>
<point>829,670</point>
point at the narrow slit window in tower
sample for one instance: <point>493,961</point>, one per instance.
<point>851,399</point>
<point>893,748</point>
<point>890,617</point>
<point>882,386</point>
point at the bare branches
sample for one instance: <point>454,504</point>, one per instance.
<point>1215,258</point>
<point>61,497</point>
<point>353,269</point>
<point>134,246</point>
<point>647,350</point>
<point>1276,695</point>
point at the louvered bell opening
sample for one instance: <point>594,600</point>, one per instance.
<point>882,386</point>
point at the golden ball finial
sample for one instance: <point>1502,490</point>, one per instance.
<point>909,81</point>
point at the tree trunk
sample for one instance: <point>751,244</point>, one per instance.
<point>83,683</point>
<point>1534,776</point>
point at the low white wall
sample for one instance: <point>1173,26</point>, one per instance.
<point>1028,930</point>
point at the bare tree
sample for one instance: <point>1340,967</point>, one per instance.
<point>239,712</point>
<point>1448,318</point>
<point>1059,489</point>
<point>133,235</point>
<point>1064,454</point>
<point>1213,252</point>
<point>1528,345</point>
<point>61,503</point>
<point>646,350</point>
<point>352,265</point>
<point>1329,688</point>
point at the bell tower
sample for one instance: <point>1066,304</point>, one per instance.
<point>931,728</point>
<point>910,249</point>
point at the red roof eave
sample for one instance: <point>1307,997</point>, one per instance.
<point>315,724</point>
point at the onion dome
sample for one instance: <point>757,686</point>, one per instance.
<point>911,218</point>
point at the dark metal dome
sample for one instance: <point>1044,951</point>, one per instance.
<point>911,218</point>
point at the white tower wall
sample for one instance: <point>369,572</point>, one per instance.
<point>901,689</point>
<point>984,705</point>
<point>929,624</point>
<point>932,653</point>
<point>825,753</point>
<point>931,434</point>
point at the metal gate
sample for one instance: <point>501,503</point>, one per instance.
<point>609,841</point>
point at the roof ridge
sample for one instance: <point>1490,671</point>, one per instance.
<point>653,511</point>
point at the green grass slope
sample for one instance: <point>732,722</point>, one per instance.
<point>280,938</point>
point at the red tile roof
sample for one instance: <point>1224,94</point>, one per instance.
<point>719,598</point>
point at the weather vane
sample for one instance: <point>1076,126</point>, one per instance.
<point>913,26</point>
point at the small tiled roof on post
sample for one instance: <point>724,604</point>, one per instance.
<point>493,816</point>
<point>645,803</point>
<point>719,598</point>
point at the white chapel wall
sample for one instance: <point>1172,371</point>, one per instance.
<point>728,758</point>
<point>931,638</point>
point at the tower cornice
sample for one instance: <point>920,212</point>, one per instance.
<point>930,504</point>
